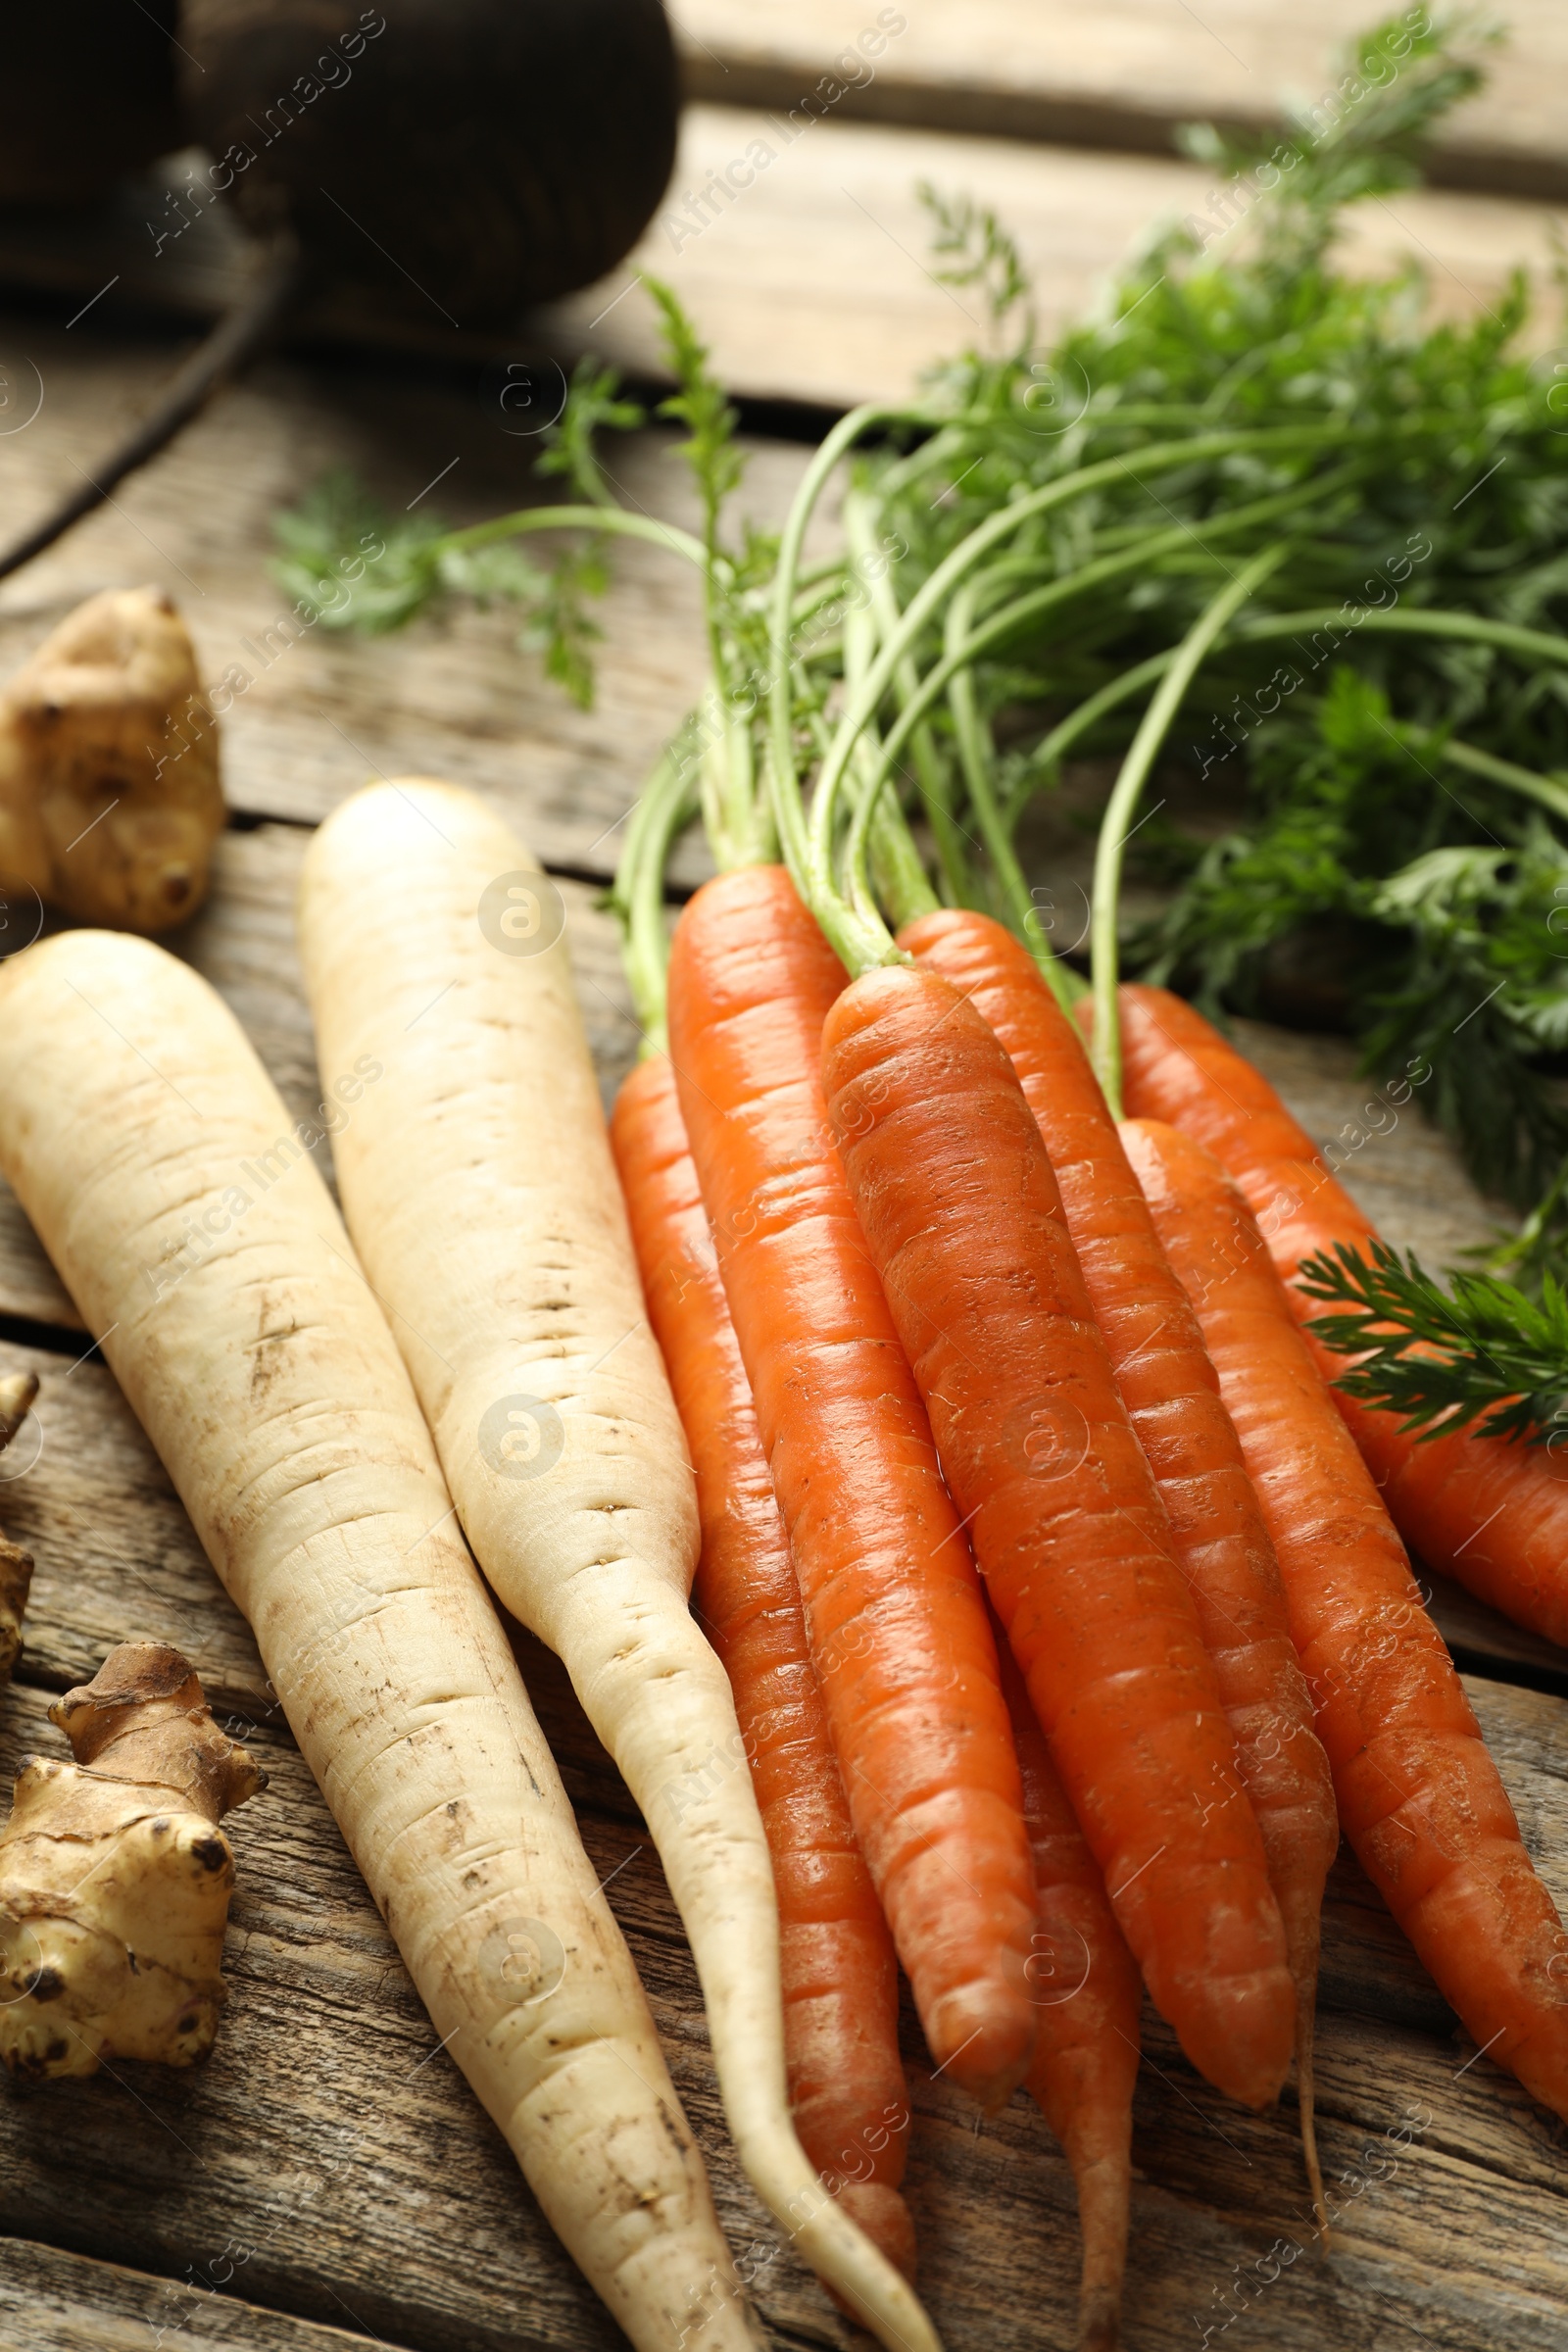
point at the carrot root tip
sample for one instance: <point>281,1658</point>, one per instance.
<point>881,2212</point>
<point>1100,2323</point>
<point>1304,2031</point>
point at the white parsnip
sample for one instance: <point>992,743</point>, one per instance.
<point>169,1185</point>
<point>478,1184</point>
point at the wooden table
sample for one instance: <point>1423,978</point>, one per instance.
<point>326,2179</point>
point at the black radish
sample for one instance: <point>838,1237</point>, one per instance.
<point>460,158</point>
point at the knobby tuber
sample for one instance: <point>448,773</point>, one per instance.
<point>115,1876</point>
<point>110,800</point>
<point>17,1392</point>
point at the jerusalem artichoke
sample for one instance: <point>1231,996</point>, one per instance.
<point>115,1876</point>
<point>110,800</point>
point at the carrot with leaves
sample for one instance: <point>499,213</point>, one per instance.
<point>1168,1385</point>
<point>955,1198</point>
<point>1490,1511</point>
<point>1420,1799</point>
<point>897,1618</point>
<point>840,1975</point>
<point>1088,1994</point>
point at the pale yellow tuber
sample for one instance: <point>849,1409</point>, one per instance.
<point>115,1876</point>
<point>110,800</point>
<point>17,1392</point>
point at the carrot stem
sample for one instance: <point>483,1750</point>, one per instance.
<point>1117,825</point>
<point>666,805</point>
<point>931,773</point>
<point>809,846</point>
<point>1415,620</point>
<point>972,737</point>
<point>667,535</point>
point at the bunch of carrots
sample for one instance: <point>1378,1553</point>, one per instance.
<point>1065,1613</point>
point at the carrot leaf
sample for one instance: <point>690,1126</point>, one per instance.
<point>1479,1349</point>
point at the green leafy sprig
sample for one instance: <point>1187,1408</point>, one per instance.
<point>1480,1351</point>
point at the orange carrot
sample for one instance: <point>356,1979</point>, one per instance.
<point>960,1209</point>
<point>1489,1512</point>
<point>894,1609</point>
<point>1087,1990</point>
<point>1419,1797</point>
<point>1168,1386</point>
<point>840,1980</point>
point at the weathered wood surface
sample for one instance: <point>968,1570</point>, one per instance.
<point>51,2301</point>
<point>333,2157</point>
<point>1121,74</point>
<point>809,272</point>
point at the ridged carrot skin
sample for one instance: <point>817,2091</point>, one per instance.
<point>1420,1799</point>
<point>1087,1987</point>
<point>840,1980</point>
<point>961,1214</point>
<point>895,1612</point>
<point>1169,1388</point>
<point>1488,1511</point>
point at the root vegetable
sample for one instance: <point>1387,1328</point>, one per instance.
<point>900,1635</point>
<point>841,1977</point>
<point>964,1224</point>
<point>458,158</point>
<point>1421,1801</point>
<point>109,802</point>
<point>1088,1994</point>
<point>17,1392</point>
<point>1169,1388</point>
<point>115,1876</point>
<point>1488,1511</point>
<point>479,1187</point>
<point>155,1158</point>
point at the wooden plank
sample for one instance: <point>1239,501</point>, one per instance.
<point>808,271</point>
<point>334,2156</point>
<point>812,281</point>
<point>1122,73</point>
<point>52,2301</point>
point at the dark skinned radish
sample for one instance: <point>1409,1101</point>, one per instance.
<point>461,158</point>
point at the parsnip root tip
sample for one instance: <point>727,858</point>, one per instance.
<point>115,1876</point>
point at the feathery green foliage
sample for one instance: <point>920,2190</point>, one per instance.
<point>1481,1351</point>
